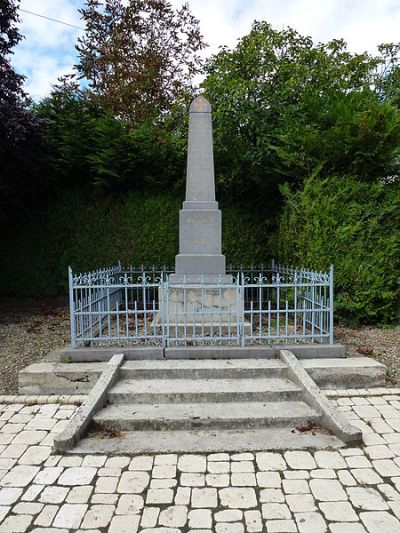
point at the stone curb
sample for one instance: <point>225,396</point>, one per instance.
<point>31,399</point>
<point>378,391</point>
<point>78,425</point>
<point>313,395</point>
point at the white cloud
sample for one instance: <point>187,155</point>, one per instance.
<point>48,50</point>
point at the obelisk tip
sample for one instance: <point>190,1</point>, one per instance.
<point>200,105</point>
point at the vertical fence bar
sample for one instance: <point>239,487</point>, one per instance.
<point>331,305</point>
<point>71,307</point>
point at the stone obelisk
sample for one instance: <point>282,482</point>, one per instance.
<point>200,258</point>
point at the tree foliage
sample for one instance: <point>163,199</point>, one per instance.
<point>19,127</point>
<point>285,106</point>
<point>138,57</point>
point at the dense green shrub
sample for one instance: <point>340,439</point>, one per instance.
<point>356,226</point>
<point>88,234</point>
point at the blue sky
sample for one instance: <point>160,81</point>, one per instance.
<point>48,49</point>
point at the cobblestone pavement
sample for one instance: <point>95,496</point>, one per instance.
<point>351,490</point>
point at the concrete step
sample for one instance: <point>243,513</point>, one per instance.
<point>234,415</point>
<point>142,391</point>
<point>206,441</point>
<point>204,368</point>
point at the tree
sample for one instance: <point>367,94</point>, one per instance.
<point>19,127</point>
<point>138,58</point>
<point>285,106</point>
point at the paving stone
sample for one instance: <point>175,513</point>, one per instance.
<point>323,473</point>
<point>109,472</point>
<point>48,475</point>
<point>45,518</point>
<point>300,460</point>
<point>296,474</point>
<point>200,518</point>
<point>124,524</point>
<point>307,522</point>
<point>32,492</point>
<point>245,479</point>
<point>346,478</point>
<point>253,521</point>
<point>238,498</point>
<point>166,459</point>
<point>94,460</point>
<point>9,495</point>
<point>109,499</point>
<point>133,482</point>
<point>269,479</point>
<point>272,495</point>
<point>379,522</point>
<point>158,496</point>
<point>346,527</point>
<point>98,516</point>
<point>232,527</point>
<point>16,524</point>
<point>141,462</point>
<point>117,462</point>
<point>389,492</point>
<point>379,452</point>
<point>19,476</point>
<point>328,490</point>
<point>366,476</point>
<point>4,511</point>
<point>54,495</point>
<point>130,504</point>
<point>80,475</point>
<point>301,503</point>
<point>339,511</point>
<point>14,451</point>
<point>281,526</point>
<point>229,515</point>
<point>295,486</point>
<point>182,496</point>
<point>41,422</point>
<point>29,438</point>
<point>206,497</point>
<point>163,483</point>
<point>358,461</point>
<point>328,459</point>
<point>28,508</point>
<point>218,467</point>
<point>193,480</point>
<point>70,515</point>
<point>150,516</point>
<point>192,463</point>
<point>70,460</point>
<point>218,457</point>
<point>242,466</point>
<point>164,471</point>
<point>106,485</point>
<point>174,516</point>
<point>367,499</point>
<point>270,461</point>
<point>386,467</point>
<point>275,511</point>
<point>219,480</point>
<point>80,494</point>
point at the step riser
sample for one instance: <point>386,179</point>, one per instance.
<point>203,397</point>
<point>204,373</point>
<point>207,423</point>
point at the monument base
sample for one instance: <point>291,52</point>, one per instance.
<point>200,308</point>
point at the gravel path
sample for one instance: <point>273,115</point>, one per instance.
<point>31,329</point>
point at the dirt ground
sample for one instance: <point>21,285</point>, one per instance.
<point>30,329</point>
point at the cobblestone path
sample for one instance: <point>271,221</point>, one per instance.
<point>352,490</point>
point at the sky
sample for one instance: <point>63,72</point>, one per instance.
<point>48,50</point>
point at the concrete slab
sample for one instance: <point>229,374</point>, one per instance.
<point>349,373</point>
<point>99,354</point>
<point>139,442</point>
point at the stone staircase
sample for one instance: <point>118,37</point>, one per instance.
<point>204,405</point>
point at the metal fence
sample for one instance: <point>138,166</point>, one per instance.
<point>127,306</point>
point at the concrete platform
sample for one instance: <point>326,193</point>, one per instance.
<point>206,441</point>
<point>78,378</point>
